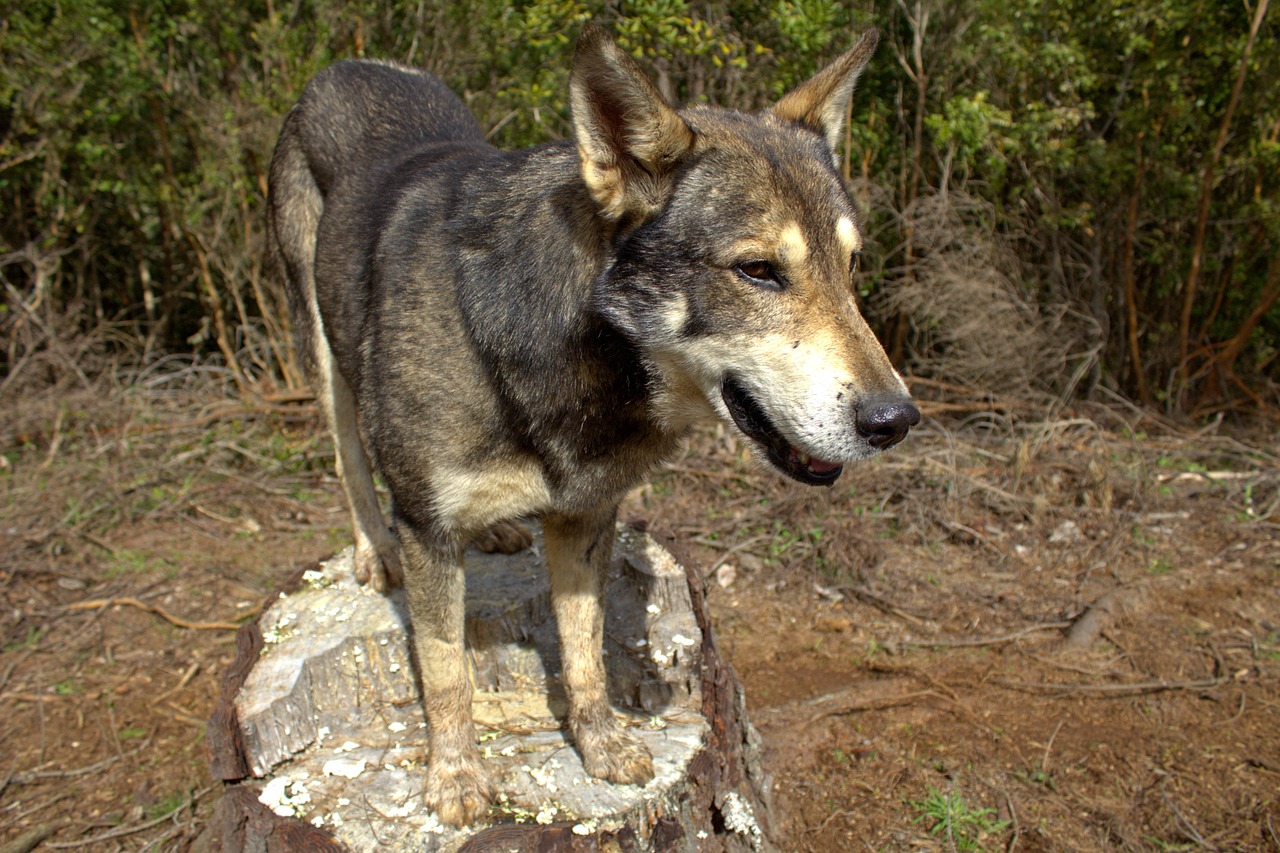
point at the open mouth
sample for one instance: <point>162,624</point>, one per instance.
<point>752,420</point>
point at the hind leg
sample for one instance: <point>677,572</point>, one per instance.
<point>377,557</point>
<point>579,549</point>
<point>295,209</point>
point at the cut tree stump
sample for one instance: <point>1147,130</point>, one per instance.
<point>320,739</point>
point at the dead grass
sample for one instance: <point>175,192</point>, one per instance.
<point>977,320</point>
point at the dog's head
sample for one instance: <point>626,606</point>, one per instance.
<point>735,253</point>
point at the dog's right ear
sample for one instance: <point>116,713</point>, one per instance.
<point>629,138</point>
<point>822,102</point>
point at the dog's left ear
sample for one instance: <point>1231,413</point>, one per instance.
<point>629,138</point>
<point>822,102</point>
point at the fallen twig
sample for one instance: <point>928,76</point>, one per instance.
<point>980,538</point>
<point>31,839</point>
<point>1263,763</point>
<point>189,720</point>
<point>990,641</point>
<point>98,603</point>
<point>1137,688</point>
<point>94,540</point>
<point>1014,500</point>
<point>878,704</point>
<point>820,827</point>
<point>1013,819</point>
<point>185,680</point>
<point>56,442</point>
<point>8,670</point>
<point>122,831</point>
<point>53,801</point>
<point>935,407</point>
<point>882,604</point>
<point>31,697</point>
<point>1098,617</point>
<point>1083,670</point>
<point>33,775</point>
<point>1189,830</point>
<point>1044,762</point>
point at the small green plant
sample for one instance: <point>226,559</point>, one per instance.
<point>1247,512</point>
<point>1178,463</point>
<point>1270,650</point>
<point>132,733</point>
<point>66,688</point>
<point>1142,537</point>
<point>127,561</point>
<point>169,804</point>
<point>890,530</point>
<point>29,642</point>
<point>952,818</point>
<point>1159,566</point>
<point>1037,775</point>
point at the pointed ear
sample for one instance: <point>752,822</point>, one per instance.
<point>822,102</point>
<point>629,138</point>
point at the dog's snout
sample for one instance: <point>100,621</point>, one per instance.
<point>884,424</point>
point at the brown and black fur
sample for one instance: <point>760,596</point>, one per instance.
<point>529,333</point>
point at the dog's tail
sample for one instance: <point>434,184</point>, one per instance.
<point>294,206</point>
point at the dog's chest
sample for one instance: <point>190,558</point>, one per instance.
<point>475,497</point>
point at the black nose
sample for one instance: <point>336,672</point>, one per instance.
<point>885,424</point>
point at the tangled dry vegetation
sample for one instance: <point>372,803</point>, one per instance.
<point>976,323</point>
<point>1029,628</point>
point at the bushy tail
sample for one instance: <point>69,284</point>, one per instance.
<point>294,205</point>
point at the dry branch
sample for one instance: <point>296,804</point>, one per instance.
<point>121,832</point>
<point>990,641</point>
<point>1098,617</point>
<point>99,603</point>
<point>878,704</point>
<point>35,775</point>
<point>882,604</point>
<point>31,839</point>
<point>1137,688</point>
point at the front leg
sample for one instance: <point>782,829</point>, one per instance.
<point>578,550</point>
<point>458,788</point>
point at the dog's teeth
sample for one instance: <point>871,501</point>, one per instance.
<point>805,459</point>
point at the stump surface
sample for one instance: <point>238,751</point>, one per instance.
<point>327,727</point>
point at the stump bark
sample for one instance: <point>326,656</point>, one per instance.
<point>320,739</point>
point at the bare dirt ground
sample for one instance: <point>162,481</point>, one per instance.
<point>1023,630</point>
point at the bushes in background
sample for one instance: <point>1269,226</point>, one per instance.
<point>1102,174</point>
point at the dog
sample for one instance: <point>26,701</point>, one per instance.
<point>529,334</point>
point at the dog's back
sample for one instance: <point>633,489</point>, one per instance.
<point>355,122</point>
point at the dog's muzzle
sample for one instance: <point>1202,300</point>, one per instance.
<point>881,423</point>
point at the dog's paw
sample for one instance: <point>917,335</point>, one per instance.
<point>458,790</point>
<point>380,568</point>
<point>611,752</point>
<point>505,537</point>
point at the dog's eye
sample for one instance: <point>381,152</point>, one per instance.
<point>760,273</point>
<point>855,261</point>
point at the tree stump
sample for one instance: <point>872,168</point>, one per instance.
<point>320,736</point>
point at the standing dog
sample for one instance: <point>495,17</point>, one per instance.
<point>530,333</point>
